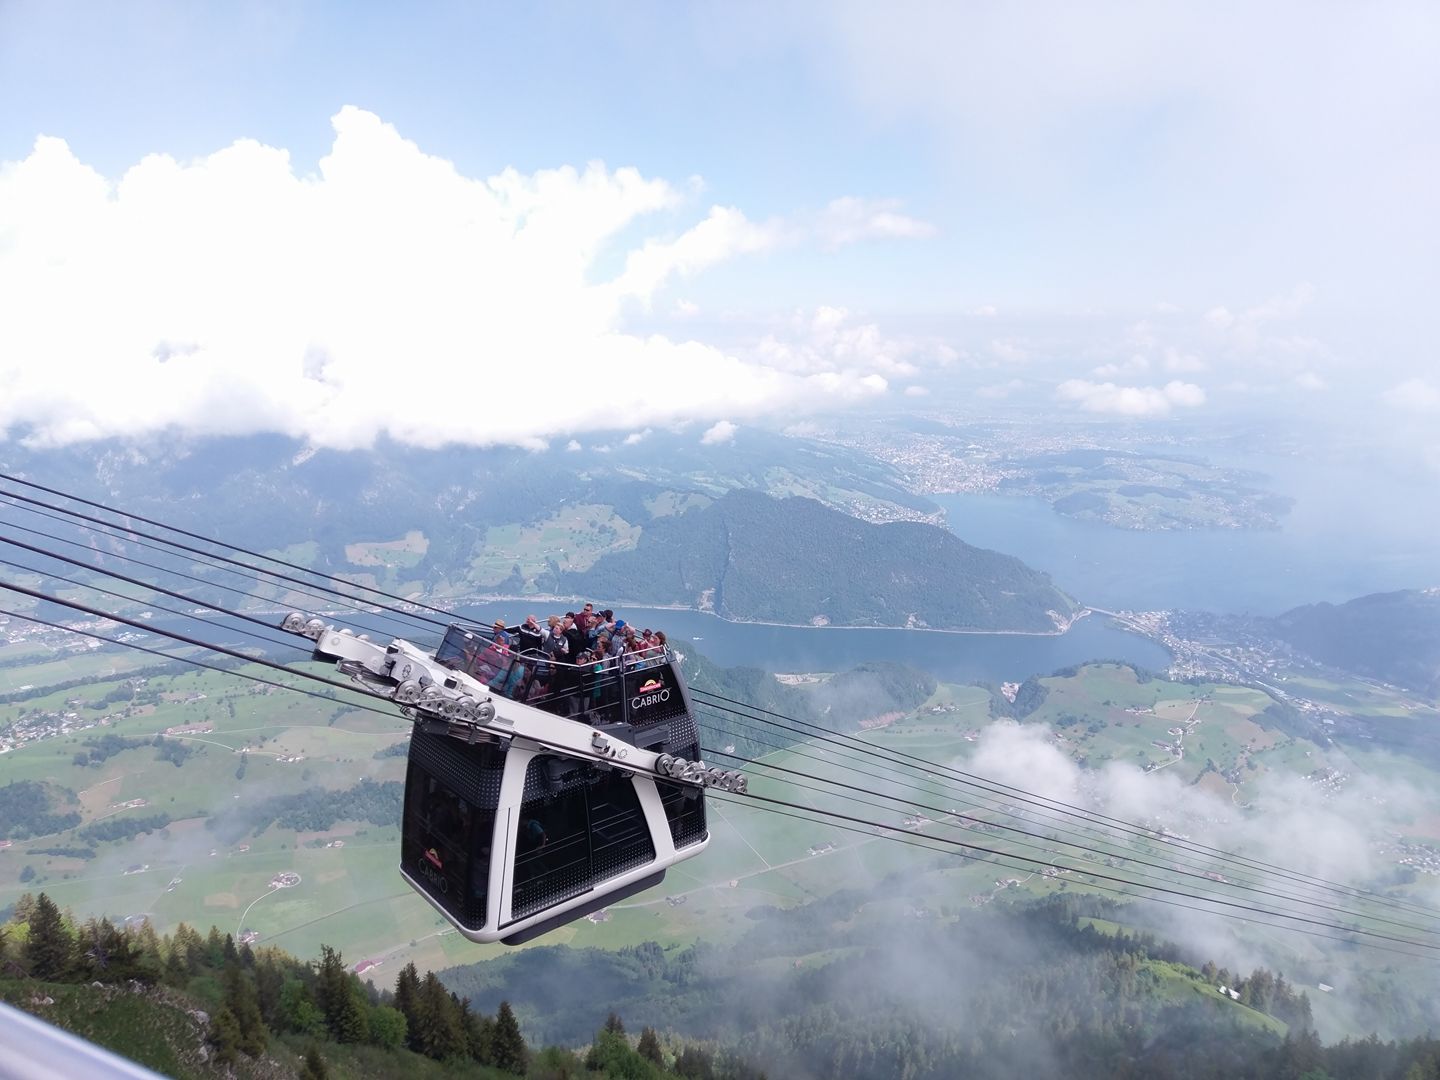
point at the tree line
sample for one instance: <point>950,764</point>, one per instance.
<point>252,997</point>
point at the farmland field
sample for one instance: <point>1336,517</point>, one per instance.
<point>251,743</point>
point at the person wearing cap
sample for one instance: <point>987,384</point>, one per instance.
<point>495,657</point>
<point>617,639</point>
<point>508,672</point>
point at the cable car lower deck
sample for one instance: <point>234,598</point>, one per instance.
<point>521,816</point>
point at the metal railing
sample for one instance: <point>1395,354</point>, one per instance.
<point>35,1050</point>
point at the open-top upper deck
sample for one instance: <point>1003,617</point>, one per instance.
<point>641,689</point>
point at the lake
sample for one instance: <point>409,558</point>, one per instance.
<point>951,657</point>
<point>1352,531</point>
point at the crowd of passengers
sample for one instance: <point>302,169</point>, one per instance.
<point>567,658</point>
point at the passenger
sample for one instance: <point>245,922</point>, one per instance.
<point>566,685</point>
<point>533,835</point>
<point>617,641</point>
<point>528,639</point>
<point>508,670</point>
<point>578,638</point>
<point>494,657</point>
<point>529,636</point>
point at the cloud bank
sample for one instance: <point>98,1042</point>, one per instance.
<point>386,294</point>
<point>1108,397</point>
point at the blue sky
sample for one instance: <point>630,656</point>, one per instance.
<point>1111,209</point>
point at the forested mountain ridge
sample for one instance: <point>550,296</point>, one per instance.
<point>754,558</point>
<point>272,491</point>
<point>1393,637</point>
<point>750,530</point>
<point>189,1005</point>
<point>1013,990</point>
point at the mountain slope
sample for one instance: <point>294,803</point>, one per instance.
<point>1394,637</point>
<point>794,560</point>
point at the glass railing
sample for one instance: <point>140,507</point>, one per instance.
<point>638,687</point>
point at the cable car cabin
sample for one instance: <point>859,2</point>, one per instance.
<point>509,837</point>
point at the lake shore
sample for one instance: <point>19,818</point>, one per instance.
<point>477,599</point>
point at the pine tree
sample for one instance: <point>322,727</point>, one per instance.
<point>695,1064</point>
<point>480,1034</point>
<point>214,952</point>
<point>509,1051</point>
<point>224,1036</point>
<point>24,907</point>
<point>269,981</point>
<point>407,1000</point>
<point>331,986</point>
<point>614,1024</point>
<point>244,1005</point>
<point>440,1034</point>
<point>314,1067</point>
<point>48,949</point>
<point>649,1047</point>
<point>186,950</point>
<point>339,999</point>
<point>105,953</point>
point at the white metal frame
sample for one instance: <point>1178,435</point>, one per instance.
<point>422,685</point>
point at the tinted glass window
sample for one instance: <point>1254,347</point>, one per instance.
<point>579,826</point>
<point>445,846</point>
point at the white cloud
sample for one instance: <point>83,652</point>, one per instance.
<point>1136,365</point>
<point>1009,351</point>
<point>725,233</point>
<point>915,390</point>
<point>1130,400</point>
<point>722,431</point>
<point>572,446</point>
<point>385,293</point>
<point>1414,395</point>
<point>830,340</point>
<point>998,391</point>
<point>686,309</point>
<point>1308,380</point>
<point>985,311</point>
<point>848,220</point>
<point>1182,363</point>
<point>636,437</point>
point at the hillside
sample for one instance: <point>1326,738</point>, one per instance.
<point>772,529</point>
<point>473,515</point>
<point>192,1006</point>
<point>831,989</point>
<point>1393,637</point>
<point>751,557</point>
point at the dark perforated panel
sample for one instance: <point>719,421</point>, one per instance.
<point>451,791</point>
<point>685,811</point>
<point>472,772</point>
<point>580,826</point>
